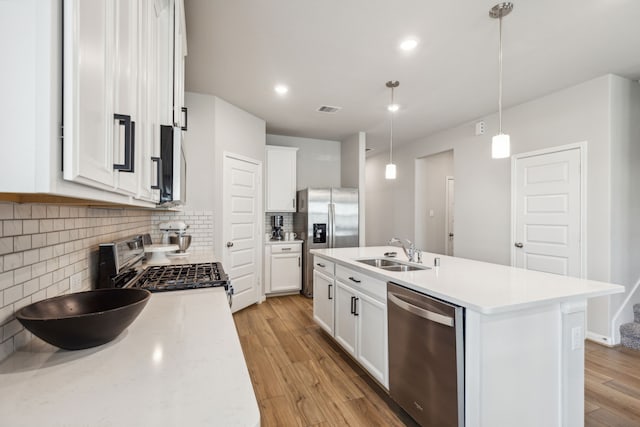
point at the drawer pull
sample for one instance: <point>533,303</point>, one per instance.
<point>286,249</point>
<point>321,265</point>
<point>354,280</point>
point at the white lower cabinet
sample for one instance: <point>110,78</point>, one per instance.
<point>346,325</point>
<point>360,318</point>
<point>323,298</point>
<point>284,267</point>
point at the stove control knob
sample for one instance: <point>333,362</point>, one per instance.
<point>229,244</point>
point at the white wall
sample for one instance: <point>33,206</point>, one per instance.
<point>318,160</point>
<point>482,211</point>
<point>199,152</point>
<point>431,173</point>
<point>625,196</point>
<point>352,163</point>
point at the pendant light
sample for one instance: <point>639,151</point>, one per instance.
<point>390,170</point>
<point>500,143</point>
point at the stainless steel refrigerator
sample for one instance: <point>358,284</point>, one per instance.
<point>326,218</point>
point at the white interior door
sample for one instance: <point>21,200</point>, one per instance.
<point>547,195</point>
<point>242,214</point>
<point>449,209</point>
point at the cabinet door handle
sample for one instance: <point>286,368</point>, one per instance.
<point>353,300</point>
<point>158,162</point>
<point>355,306</point>
<point>298,261</point>
<point>329,291</point>
<point>354,280</point>
<point>129,142</point>
<point>186,117</point>
<point>293,203</point>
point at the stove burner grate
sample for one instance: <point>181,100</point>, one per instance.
<point>182,276</point>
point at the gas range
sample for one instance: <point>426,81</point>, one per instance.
<point>159,278</point>
<point>120,265</point>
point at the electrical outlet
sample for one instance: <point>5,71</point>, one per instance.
<point>577,340</point>
<point>480,128</point>
<point>76,282</point>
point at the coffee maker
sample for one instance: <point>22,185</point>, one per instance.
<point>277,222</point>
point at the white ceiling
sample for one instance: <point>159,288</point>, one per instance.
<point>341,53</point>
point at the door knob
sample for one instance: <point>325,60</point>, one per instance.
<point>518,245</point>
<point>229,244</point>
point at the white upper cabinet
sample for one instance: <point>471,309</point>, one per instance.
<point>280,179</point>
<point>89,84</point>
<point>88,92</point>
<point>179,53</point>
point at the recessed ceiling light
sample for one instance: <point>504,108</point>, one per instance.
<point>393,107</point>
<point>281,89</point>
<point>408,44</point>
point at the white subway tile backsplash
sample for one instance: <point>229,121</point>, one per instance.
<point>30,287</point>
<point>11,227</point>
<point>42,246</point>
<point>45,280</point>
<point>6,210</point>
<point>11,328</point>
<point>31,257</point>
<point>6,280</point>
<point>38,211</point>
<point>12,294</point>
<point>30,226</point>
<point>22,274</point>
<point>6,313</point>
<point>22,211</point>
<point>13,261</point>
<point>6,245</point>
<point>53,211</point>
<point>21,243</point>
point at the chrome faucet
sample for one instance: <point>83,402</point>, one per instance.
<point>412,253</point>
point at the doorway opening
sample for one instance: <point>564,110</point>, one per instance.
<point>434,196</point>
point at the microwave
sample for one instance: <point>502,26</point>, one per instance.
<point>172,167</point>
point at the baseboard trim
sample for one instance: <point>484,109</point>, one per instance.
<point>600,339</point>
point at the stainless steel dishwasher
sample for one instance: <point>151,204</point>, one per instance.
<point>426,357</point>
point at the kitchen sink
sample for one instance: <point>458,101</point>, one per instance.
<point>391,265</point>
<point>379,262</point>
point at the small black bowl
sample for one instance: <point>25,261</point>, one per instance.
<point>83,319</point>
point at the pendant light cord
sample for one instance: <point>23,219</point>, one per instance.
<point>500,79</point>
<point>391,133</point>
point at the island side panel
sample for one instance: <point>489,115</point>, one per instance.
<point>514,371</point>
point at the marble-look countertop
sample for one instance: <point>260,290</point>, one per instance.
<point>480,286</point>
<point>179,363</point>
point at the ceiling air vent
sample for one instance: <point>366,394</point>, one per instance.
<point>328,109</point>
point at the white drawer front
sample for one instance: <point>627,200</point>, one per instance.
<point>284,248</point>
<point>367,284</point>
<point>324,266</point>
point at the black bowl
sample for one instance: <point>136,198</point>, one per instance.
<point>84,319</point>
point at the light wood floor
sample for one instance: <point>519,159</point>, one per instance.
<point>302,378</point>
<point>612,386</point>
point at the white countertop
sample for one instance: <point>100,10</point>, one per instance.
<point>179,363</point>
<point>480,286</point>
<point>282,242</point>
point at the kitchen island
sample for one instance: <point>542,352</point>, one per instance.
<point>523,332</point>
<point>179,363</point>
